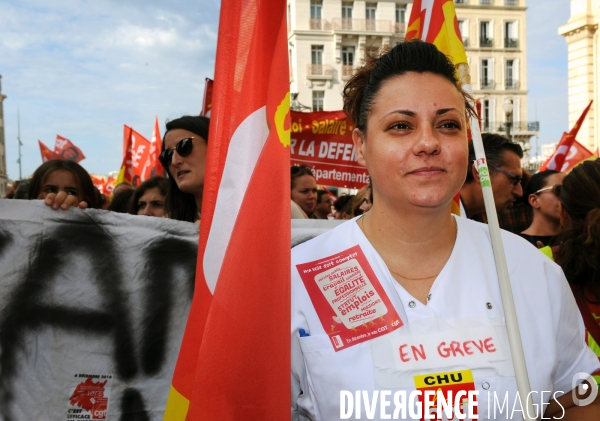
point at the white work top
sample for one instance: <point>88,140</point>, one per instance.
<point>464,300</point>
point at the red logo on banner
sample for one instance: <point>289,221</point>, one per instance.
<point>323,141</point>
<point>89,395</point>
<point>351,303</point>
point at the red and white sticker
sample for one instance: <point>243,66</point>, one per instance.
<point>89,397</point>
<point>349,299</point>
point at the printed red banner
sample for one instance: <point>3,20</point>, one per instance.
<point>351,303</point>
<point>323,141</point>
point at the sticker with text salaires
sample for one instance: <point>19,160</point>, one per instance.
<point>351,303</point>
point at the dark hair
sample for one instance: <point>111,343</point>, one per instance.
<point>579,251</point>
<point>120,201</point>
<point>86,194</point>
<point>320,194</point>
<point>538,181</point>
<point>412,56</point>
<point>363,194</point>
<point>344,203</point>
<point>179,205</point>
<point>299,171</point>
<point>494,146</point>
<point>154,182</point>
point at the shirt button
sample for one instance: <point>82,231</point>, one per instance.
<point>485,385</point>
<point>412,304</point>
<point>489,306</point>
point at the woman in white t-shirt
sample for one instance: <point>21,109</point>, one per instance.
<point>405,299</point>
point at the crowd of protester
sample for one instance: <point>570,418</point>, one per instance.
<point>546,209</point>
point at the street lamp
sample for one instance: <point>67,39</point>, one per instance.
<point>508,110</point>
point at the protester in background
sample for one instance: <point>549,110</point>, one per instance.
<point>21,190</point>
<point>149,198</point>
<point>519,216</point>
<point>504,163</point>
<point>579,250</point>
<point>324,204</point>
<point>121,187</point>
<point>362,201</point>
<point>343,206</point>
<point>545,203</point>
<point>66,178</point>
<point>184,159</point>
<point>120,201</point>
<point>304,189</point>
<point>408,269</point>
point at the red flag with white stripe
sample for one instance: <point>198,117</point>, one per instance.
<point>152,165</point>
<point>238,328</point>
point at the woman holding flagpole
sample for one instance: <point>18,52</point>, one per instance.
<point>405,299</point>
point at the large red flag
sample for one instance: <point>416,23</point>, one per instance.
<point>126,172</point>
<point>240,315</point>
<point>67,150</point>
<point>152,165</point>
<point>556,161</point>
<point>136,150</point>
<point>47,154</point>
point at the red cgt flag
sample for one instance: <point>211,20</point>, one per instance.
<point>136,150</point>
<point>240,313</point>
<point>47,154</point>
<point>67,150</point>
<point>557,160</point>
<point>152,166</point>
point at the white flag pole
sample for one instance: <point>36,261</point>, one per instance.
<point>510,314</point>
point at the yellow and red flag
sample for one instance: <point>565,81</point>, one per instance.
<point>47,154</point>
<point>136,153</point>
<point>234,361</point>
<point>435,21</point>
<point>152,165</point>
<point>557,160</point>
<point>126,173</point>
<point>65,149</point>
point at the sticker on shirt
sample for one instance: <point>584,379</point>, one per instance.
<point>351,303</point>
<point>467,346</point>
<point>447,396</point>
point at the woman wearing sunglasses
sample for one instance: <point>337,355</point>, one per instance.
<point>184,158</point>
<point>541,196</point>
<point>399,298</point>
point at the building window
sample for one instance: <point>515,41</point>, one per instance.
<point>316,60</point>
<point>318,97</point>
<point>485,34</point>
<point>511,2</point>
<point>346,15</point>
<point>486,74</point>
<point>485,1</point>
<point>460,1</point>
<point>485,114</point>
<point>315,14</point>
<point>510,73</point>
<point>347,61</point>
<point>463,27</point>
<point>510,35</point>
<point>370,13</point>
<point>400,26</point>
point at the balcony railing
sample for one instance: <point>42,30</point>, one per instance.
<point>487,84</point>
<point>319,25</point>
<point>347,71</point>
<point>319,71</point>
<point>486,42</point>
<point>367,25</point>
<point>511,2</point>
<point>517,127</point>
<point>511,43</point>
<point>511,84</point>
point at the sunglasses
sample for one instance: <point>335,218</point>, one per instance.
<point>514,178</point>
<point>183,147</point>
<point>555,189</point>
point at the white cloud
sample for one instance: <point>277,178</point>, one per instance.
<point>82,69</point>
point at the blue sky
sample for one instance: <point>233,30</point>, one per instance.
<point>83,68</point>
